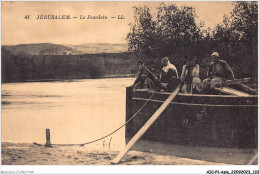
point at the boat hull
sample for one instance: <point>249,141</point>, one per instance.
<point>199,120</point>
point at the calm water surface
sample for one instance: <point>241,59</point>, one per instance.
<point>75,112</point>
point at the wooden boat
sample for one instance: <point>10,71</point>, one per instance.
<point>218,120</point>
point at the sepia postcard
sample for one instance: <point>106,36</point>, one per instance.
<point>127,83</point>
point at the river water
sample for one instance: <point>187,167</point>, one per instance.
<point>75,111</point>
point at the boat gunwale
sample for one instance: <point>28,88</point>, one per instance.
<point>196,95</point>
<point>194,104</point>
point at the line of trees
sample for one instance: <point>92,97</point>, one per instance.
<point>173,32</point>
<point>24,67</point>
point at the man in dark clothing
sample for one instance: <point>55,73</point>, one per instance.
<point>218,71</point>
<point>145,79</point>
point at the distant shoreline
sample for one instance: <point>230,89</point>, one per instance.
<point>74,79</point>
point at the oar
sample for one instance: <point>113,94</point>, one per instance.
<point>146,126</point>
<point>221,86</point>
<point>231,91</point>
<point>247,88</point>
<point>237,81</point>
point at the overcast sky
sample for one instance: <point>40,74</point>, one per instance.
<point>17,30</point>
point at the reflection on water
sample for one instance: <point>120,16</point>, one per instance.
<point>75,112</point>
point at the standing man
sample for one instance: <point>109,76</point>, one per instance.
<point>169,75</point>
<point>218,71</point>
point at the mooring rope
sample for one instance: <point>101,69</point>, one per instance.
<point>101,138</point>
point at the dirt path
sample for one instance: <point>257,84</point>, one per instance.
<point>30,154</point>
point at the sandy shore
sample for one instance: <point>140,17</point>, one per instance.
<point>31,154</point>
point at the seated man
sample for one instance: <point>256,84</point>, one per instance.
<point>168,76</point>
<point>190,77</point>
<point>218,71</point>
<point>145,78</point>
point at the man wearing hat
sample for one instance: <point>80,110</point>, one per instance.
<point>218,71</point>
<point>169,75</point>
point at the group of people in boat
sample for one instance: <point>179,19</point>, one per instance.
<point>218,71</point>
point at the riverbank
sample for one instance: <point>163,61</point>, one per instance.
<point>22,68</point>
<point>73,79</point>
<point>31,154</point>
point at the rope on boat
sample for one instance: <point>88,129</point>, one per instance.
<point>101,138</point>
